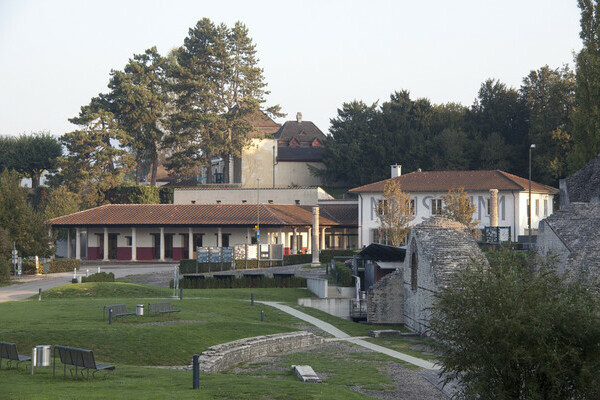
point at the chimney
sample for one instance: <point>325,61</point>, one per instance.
<point>493,207</point>
<point>396,170</point>
<point>299,116</point>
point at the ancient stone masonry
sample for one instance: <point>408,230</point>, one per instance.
<point>572,235</point>
<point>583,185</point>
<point>437,249</point>
<point>223,356</point>
<point>386,300</point>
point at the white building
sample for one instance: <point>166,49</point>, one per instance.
<point>427,188</point>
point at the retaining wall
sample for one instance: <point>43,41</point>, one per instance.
<point>223,356</point>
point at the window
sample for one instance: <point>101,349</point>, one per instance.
<point>244,201</point>
<point>537,207</point>
<point>297,202</point>
<point>218,201</point>
<point>270,201</point>
<point>545,207</point>
<point>412,207</point>
<point>381,205</point>
<point>128,240</point>
<point>193,201</point>
<point>489,207</point>
<point>436,206</point>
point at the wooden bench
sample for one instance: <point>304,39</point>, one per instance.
<point>161,308</point>
<point>78,358</point>
<point>8,351</point>
<point>118,310</point>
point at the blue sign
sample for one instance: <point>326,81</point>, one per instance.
<point>258,234</point>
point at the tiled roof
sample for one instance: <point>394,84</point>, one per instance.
<point>304,131</point>
<point>193,215</point>
<point>442,181</point>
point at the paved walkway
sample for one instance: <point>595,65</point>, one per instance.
<point>341,335</point>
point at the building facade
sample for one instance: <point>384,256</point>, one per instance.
<point>427,188</point>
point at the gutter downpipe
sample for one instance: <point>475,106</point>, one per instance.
<point>514,216</point>
<point>360,211</point>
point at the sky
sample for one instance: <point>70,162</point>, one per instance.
<point>316,55</point>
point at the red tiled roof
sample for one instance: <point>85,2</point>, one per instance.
<point>442,181</point>
<point>193,215</point>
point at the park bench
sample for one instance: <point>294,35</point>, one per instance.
<point>161,308</point>
<point>78,358</point>
<point>8,351</point>
<point>118,310</point>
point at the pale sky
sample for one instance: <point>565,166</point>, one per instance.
<point>56,55</point>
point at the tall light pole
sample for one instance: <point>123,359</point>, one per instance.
<point>531,147</point>
<point>258,220</point>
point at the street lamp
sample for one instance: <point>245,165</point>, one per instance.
<point>531,147</point>
<point>258,220</point>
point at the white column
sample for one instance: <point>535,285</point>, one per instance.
<point>309,241</point>
<point>77,244</point>
<point>294,240</point>
<point>345,239</point>
<point>162,244</point>
<point>315,237</point>
<point>281,237</point>
<point>105,244</point>
<point>69,250</point>
<point>248,236</point>
<point>323,238</point>
<point>133,244</point>
<point>190,244</point>
<point>219,236</point>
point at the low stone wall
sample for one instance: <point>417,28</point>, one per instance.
<point>223,356</point>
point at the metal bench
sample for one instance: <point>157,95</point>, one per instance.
<point>8,351</point>
<point>161,308</point>
<point>78,358</point>
<point>118,310</point>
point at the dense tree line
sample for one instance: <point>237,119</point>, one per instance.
<point>494,133</point>
<point>189,105</point>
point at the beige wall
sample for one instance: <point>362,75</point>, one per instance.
<point>306,196</point>
<point>296,174</point>
<point>257,162</point>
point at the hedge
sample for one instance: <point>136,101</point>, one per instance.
<point>5,268</point>
<point>325,256</point>
<point>64,265</point>
<point>341,275</point>
<point>99,277</point>
<point>187,266</point>
<point>241,282</point>
<point>291,259</point>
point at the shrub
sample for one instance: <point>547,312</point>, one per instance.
<point>291,259</point>
<point>507,332</point>
<point>341,275</point>
<point>325,256</point>
<point>28,268</point>
<point>64,265</point>
<point>99,277</point>
<point>133,195</point>
<point>165,195</point>
<point>5,268</point>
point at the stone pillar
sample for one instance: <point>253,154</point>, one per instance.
<point>493,207</point>
<point>248,236</point>
<point>77,244</point>
<point>134,244</point>
<point>190,244</point>
<point>69,250</point>
<point>315,237</point>
<point>219,236</point>
<point>323,238</point>
<point>309,240</point>
<point>162,244</point>
<point>105,245</point>
<point>281,239</point>
<point>294,241</point>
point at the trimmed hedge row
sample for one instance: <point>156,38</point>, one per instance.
<point>64,265</point>
<point>99,277</point>
<point>341,275</point>
<point>241,282</point>
<point>326,255</point>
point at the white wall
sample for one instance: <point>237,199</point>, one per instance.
<point>289,173</point>
<point>257,162</point>
<point>304,196</point>
<point>508,214</point>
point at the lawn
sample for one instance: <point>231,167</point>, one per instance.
<point>72,315</point>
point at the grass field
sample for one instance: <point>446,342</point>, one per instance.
<point>72,315</point>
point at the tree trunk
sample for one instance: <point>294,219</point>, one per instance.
<point>138,169</point>
<point>154,164</point>
<point>35,179</point>
<point>226,160</point>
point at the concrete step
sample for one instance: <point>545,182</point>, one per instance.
<point>306,373</point>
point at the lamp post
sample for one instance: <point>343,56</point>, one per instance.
<point>258,221</point>
<point>531,147</point>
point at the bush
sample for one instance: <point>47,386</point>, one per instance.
<point>99,277</point>
<point>291,259</point>
<point>325,256</point>
<point>165,195</point>
<point>28,268</point>
<point>507,332</point>
<point>133,195</point>
<point>188,266</point>
<point>241,282</point>
<point>64,265</point>
<point>341,275</point>
<point>5,269</point>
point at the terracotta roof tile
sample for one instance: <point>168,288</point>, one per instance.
<point>192,215</point>
<point>442,181</point>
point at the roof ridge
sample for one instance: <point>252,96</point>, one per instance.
<point>268,207</point>
<point>509,177</point>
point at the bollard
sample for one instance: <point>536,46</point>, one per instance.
<point>74,273</point>
<point>33,358</point>
<point>98,270</point>
<point>262,315</point>
<point>40,295</point>
<point>87,272</point>
<point>196,369</point>
<point>110,316</point>
<point>180,293</point>
<point>251,299</point>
